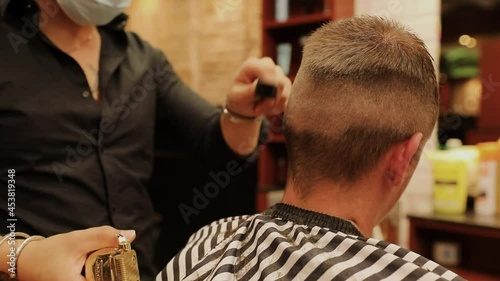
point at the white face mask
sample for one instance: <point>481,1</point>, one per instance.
<point>93,12</point>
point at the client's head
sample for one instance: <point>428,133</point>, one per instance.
<point>363,104</point>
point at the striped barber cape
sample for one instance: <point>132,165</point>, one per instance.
<point>289,243</point>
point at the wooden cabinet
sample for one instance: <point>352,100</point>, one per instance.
<point>488,123</point>
<point>477,238</point>
<point>304,16</point>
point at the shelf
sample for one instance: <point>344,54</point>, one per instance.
<point>473,275</point>
<point>470,224</point>
<point>316,18</point>
<point>478,239</point>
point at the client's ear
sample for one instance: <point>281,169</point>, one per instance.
<point>400,158</point>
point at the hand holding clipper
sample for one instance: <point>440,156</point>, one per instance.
<point>118,264</point>
<point>260,89</point>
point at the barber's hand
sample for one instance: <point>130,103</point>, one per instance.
<point>62,257</point>
<point>241,99</point>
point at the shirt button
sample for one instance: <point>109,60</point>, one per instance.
<point>86,94</point>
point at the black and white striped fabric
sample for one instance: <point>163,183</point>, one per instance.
<point>288,243</point>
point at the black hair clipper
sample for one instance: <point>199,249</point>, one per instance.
<point>264,90</point>
<point>119,264</point>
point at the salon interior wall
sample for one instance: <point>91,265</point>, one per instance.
<point>424,18</point>
<point>206,40</point>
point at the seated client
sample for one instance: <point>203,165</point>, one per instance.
<point>363,105</point>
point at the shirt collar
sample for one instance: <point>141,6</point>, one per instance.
<point>114,39</point>
<point>311,219</point>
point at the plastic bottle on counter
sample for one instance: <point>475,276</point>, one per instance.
<point>486,201</point>
<point>453,174</point>
<point>498,178</point>
<point>470,154</point>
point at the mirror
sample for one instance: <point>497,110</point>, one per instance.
<point>469,28</point>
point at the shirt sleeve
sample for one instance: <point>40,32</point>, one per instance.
<point>192,121</point>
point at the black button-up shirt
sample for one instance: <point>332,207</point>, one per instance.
<point>81,163</point>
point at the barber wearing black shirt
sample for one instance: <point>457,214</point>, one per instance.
<point>80,101</point>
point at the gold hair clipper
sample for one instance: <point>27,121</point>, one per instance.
<point>118,264</point>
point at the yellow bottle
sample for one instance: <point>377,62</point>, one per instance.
<point>498,177</point>
<point>450,175</point>
<point>487,200</point>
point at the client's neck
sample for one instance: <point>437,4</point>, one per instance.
<point>358,202</point>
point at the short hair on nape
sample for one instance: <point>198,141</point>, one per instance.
<point>364,84</point>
